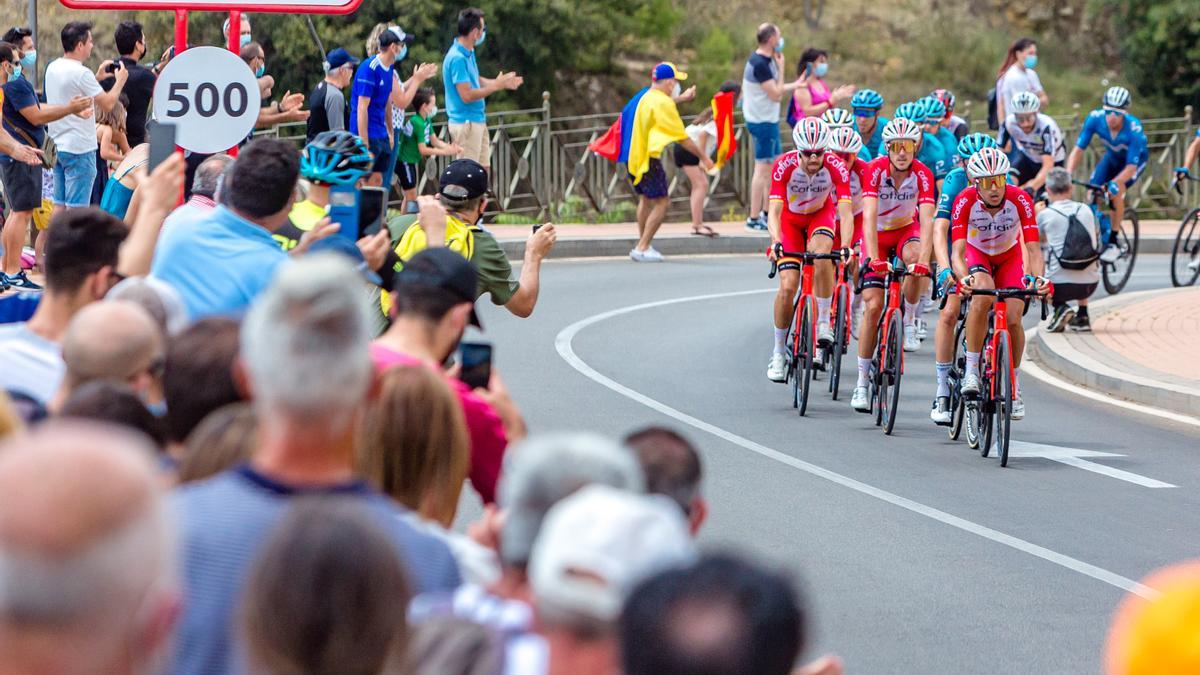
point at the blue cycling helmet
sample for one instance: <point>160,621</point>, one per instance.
<point>866,98</point>
<point>973,143</point>
<point>935,110</point>
<point>335,158</point>
<point>912,111</point>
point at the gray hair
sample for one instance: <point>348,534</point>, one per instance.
<point>542,470</point>
<point>225,24</point>
<point>1058,181</point>
<point>208,175</point>
<point>305,340</point>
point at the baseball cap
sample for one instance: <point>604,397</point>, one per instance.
<point>338,58</point>
<point>464,179</point>
<point>395,35</point>
<point>442,268</point>
<point>667,70</point>
<point>599,543</point>
<point>340,245</point>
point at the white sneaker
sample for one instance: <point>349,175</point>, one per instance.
<point>649,255</point>
<point>824,334</point>
<point>859,400</point>
<point>777,370</point>
<point>1018,409</point>
<point>970,385</point>
<point>1111,254</point>
<point>912,341</point>
<point>922,329</point>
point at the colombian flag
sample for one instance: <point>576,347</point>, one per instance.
<point>649,123</point>
<point>722,107</point>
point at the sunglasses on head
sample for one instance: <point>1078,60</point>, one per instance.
<point>811,153</point>
<point>902,145</point>
<point>992,182</point>
<point>864,112</point>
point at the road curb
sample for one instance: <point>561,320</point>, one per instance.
<point>607,247</point>
<point>1053,352</point>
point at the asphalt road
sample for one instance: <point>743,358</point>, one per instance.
<point>916,554</point>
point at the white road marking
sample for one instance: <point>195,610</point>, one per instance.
<point>566,336</point>
<point>1075,457</point>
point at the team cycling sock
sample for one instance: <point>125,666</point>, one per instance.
<point>864,370</point>
<point>823,310</point>
<point>943,378</point>
<point>781,340</point>
<point>973,362</point>
<point>910,312</point>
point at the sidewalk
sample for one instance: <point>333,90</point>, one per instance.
<point>1142,348</point>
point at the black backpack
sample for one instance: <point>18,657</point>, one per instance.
<point>993,120</point>
<point>1078,252</point>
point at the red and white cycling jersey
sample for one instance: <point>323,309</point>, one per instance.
<point>898,203</point>
<point>804,194</point>
<point>993,233</point>
<point>858,178</point>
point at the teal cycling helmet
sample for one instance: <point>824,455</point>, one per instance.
<point>335,158</point>
<point>913,111</point>
<point>935,110</point>
<point>866,98</point>
<point>973,143</point>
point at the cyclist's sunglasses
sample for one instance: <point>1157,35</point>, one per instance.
<point>811,153</point>
<point>992,182</point>
<point>902,145</point>
<point>1113,111</point>
<point>865,112</point>
<point>1026,118</point>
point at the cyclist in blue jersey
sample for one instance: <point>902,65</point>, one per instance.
<point>866,104</point>
<point>1125,154</point>
<point>957,125</point>
<point>935,112</point>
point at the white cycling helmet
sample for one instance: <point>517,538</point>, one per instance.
<point>811,134</point>
<point>838,117</point>
<point>988,162</point>
<point>1024,103</point>
<point>845,139</point>
<point>1117,97</point>
<point>900,129</point>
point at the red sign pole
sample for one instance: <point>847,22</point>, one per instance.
<point>181,26</point>
<point>235,46</point>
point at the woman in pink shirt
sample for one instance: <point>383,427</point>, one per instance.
<point>815,98</point>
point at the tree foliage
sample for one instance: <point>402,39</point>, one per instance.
<point>1160,47</point>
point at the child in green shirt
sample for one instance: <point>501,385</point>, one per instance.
<point>421,144</point>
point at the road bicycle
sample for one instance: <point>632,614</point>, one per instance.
<point>1124,235</point>
<point>803,336</point>
<point>887,363</point>
<point>997,382</point>
<point>1185,254</point>
<point>840,318</point>
<point>958,366</point>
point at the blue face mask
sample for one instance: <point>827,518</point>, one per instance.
<point>820,69</point>
<point>16,73</point>
<point>260,71</point>
<point>482,37</point>
<point>245,40</point>
<point>779,47</point>
<point>402,53</point>
<point>1031,61</point>
<point>29,59</point>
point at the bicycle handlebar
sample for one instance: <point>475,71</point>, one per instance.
<point>1007,293</point>
<point>804,258</point>
<point>1176,180</point>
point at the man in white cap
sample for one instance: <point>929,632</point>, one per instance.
<point>593,548</point>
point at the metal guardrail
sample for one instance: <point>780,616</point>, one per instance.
<point>542,169</point>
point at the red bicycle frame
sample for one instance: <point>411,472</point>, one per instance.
<point>889,310</point>
<point>807,270</point>
<point>843,281</point>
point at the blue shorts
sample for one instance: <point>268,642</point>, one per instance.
<point>73,178</point>
<point>654,182</point>
<point>767,145</point>
<point>1109,166</point>
<point>381,154</point>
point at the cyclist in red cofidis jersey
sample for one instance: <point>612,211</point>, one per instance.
<point>809,196</point>
<point>846,143</point>
<point>989,222</point>
<point>899,196</point>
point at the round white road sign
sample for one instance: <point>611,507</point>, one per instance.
<point>211,96</point>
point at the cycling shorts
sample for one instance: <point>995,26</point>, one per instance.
<point>890,244</point>
<point>796,229</point>
<point>1109,166</point>
<point>1007,269</point>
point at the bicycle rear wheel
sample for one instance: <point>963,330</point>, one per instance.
<point>804,366</point>
<point>958,366</point>
<point>1002,413</point>
<point>893,365</point>
<point>971,419</point>
<point>1116,274</point>
<point>1185,255</point>
<point>840,340</point>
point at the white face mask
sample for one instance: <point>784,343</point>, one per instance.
<point>677,90</point>
<point>433,112</point>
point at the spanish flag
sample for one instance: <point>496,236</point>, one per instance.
<point>722,107</point>
<point>649,123</point>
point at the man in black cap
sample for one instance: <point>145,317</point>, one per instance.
<point>464,193</point>
<point>327,104</point>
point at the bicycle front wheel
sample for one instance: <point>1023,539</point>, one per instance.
<point>958,366</point>
<point>1116,274</point>
<point>892,368</point>
<point>1185,255</point>
<point>804,366</point>
<point>1002,412</point>
<point>840,340</point>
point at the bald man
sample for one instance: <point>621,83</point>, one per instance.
<point>87,569</point>
<point>113,340</point>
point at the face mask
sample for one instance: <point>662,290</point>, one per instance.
<point>245,40</point>
<point>258,72</point>
<point>676,90</point>
<point>16,73</point>
<point>402,53</point>
<point>432,112</point>
<point>779,47</point>
<point>820,69</point>
<point>482,37</point>
<point>157,409</point>
<point>29,59</point>
<point>1031,61</point>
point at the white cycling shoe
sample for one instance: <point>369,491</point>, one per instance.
<point>1018,409</point>
<point>970,385</point>
<point>860,401</point>
<point>824,334</point>
<point>1111,254</point>
<point>940,412</point>
<point>777,369</point>
<point>912,341</point>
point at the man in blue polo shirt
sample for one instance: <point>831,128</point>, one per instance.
<point>221,261</point>
<point>466,90</point>
<point>370,101</point>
